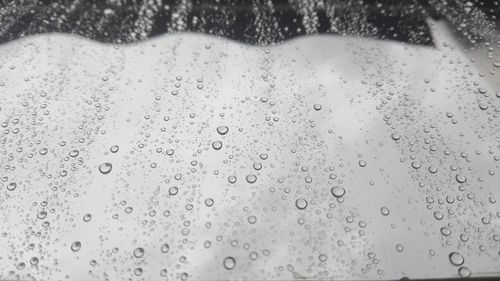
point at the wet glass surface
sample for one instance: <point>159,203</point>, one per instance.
<point>240,140</point>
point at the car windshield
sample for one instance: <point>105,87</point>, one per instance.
<point>249,139</point>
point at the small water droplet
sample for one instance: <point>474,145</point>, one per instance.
<point>251,178</point>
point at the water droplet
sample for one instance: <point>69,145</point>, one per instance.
<point>76,246</point>
<point>138,252</point>
<point>338,191</point>
<point>231,179</point>
<point>173,190</point>
<point>34,261</point>
<point>399,248</point>
<point>74,153</point>
<point>105,168</point>
<point>251,178</point>
<point>301,203</point>
<point>464,272</point>
<point>252,219</point>
<point>114,148</point>
<point>416,165</point>
<point>164,248</point>
<point>209,202</point>
<point>460,178</point>
<point>395,136</point>
<point>138,271</point>
<point>11,186</point>
<point>456,258</point>
<point>229,263</point>
<point>445,231</point>
<point>87,217</point>
<point>217,145</point>
<point>222,130</point>
<point>42,215</point>
<point>323,257</point>
<point>257,166</point>
<point>438,215</point>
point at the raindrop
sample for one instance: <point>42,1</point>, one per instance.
<point>460,178</point>
<point>251,178</point>
<point>252,219</point>
<point>87,217</point>
<point>231,179</point>
<point>164,248</point>
<point>76,246</point>
<point>209,202</point>
<point>464,272</point>
<point>11,186</point>
<point>399,248</point>
<point>338,191</point>
<point>456,258</point>
<point>222,130</point>
<point>229,263</point>
<point>173,190</point>
<point>301,203</point>
<point>395,136</point>
<point>105,168</point>
<point>323,257</point>
<point>138,271</point>
<point>445,231</point>
<point>217,145</point>
<point>138,252</point>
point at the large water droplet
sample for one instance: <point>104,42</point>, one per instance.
<point>11,186</point>
<point>105,168</point>
<point>456,258</point>
<point>164,248</point>
<point>464,272</point>
<point>217,145</point>
<point>301,203</point>
<point>114,148</point>
<point>76,246</point>
<point>138,252</point>
<point>338,191</point>
<point>222,130</point>
<point>229,263</point>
